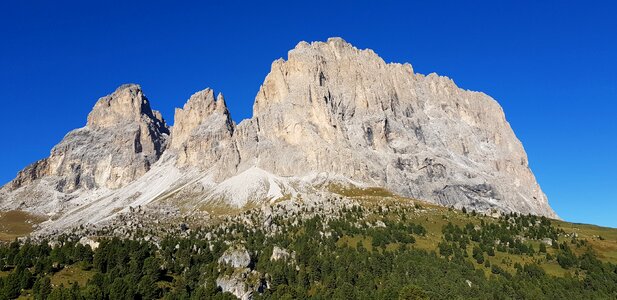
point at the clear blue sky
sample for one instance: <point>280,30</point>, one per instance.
<point>552,66</point>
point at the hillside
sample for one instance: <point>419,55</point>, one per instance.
<point>364,244</point>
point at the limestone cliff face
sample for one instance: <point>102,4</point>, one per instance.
<point>122,139</point>
<point>333,108</point>
<point>329,111</point>
<point>202,133</point>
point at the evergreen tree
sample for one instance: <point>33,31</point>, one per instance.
<point>478,255</point>
<point>42,288</point>
<point>412,292</point>
<point>92,292</point>
<point>12,286</point>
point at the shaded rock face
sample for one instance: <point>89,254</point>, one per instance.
<point>122,139</point>
<point>29,174</point>
<point>329,111</point>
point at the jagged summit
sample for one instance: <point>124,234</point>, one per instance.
<point>123,137</point>
<point>202,131</point>
<point>126,104</point>
<point>336,46</point>
<point>330,113</point>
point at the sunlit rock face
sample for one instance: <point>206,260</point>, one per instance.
<point>334,108</point>
<point>121,140</point>
<point>203,134</point>
<point>328,112</point>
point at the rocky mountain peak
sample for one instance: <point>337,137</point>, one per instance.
<point>201,129</point>
<point>317,70</point>
<point>126,104</point>
<point>200,101</point>
<point>333,48</point>
<point>198,111</point>
<point>122,139</point>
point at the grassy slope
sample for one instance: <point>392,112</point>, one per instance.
<point>64,277</point>
<point>433,218</point>
<point>602,239</point>
<point>15,224</point>
<point>71,274</point>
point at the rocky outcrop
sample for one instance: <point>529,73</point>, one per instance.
<point>242,283</point>
<point>29,174</point>
<point>279,253</point>
<point>241,280</point>
<point>236,257</point>
<point>86,241</point>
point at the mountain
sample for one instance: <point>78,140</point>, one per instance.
<point>329,116</point>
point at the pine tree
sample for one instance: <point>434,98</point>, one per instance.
<point>42,288</point>
<point>412,292</point>
<point>477,255</point>
<point>92,292</point>
<point>11,288</point>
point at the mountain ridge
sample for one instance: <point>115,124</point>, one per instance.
<point>329,111</point>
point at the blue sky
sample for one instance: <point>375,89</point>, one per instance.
<point>551,65</point>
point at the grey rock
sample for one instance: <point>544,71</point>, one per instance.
<point>330,113</point>
<point>242,283</point>
<point>236,257</point>
<point>279,253</point>
<point>121,140</point>
<point>336,109</point>
<point>202,133</point>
